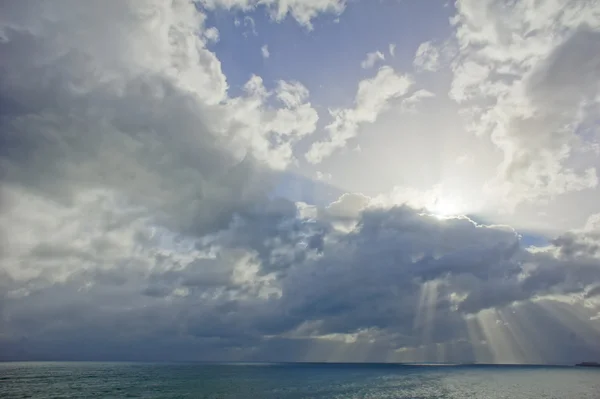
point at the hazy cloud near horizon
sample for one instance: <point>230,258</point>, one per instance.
<point>142,214</point>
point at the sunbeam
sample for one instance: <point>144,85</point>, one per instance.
<point>424,321</point>
<point>498,338</point>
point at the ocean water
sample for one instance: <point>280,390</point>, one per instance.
<point>226,381</point>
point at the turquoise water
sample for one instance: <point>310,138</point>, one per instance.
<point>225,381</point>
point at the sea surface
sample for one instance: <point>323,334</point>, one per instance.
<point>225,381</point>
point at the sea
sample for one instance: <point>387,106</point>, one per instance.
<point>293,380</point>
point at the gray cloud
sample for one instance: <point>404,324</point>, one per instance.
<point>408,278</point>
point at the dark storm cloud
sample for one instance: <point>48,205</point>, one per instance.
<point>369,278</point>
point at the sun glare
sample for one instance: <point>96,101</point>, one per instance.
<point>447,206</point>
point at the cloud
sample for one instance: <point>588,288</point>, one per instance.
<point>409,103</point>
<point>271,131</point>
<point>303,11</point>
<point>392,49</point>
<point>372,98</point>
<point>264,51</point>
<point>372,59</point>
<point>138,219</point>
<point>292,94</point>
<point>352,271</point>
<point>530,84</point>
<point>212,34</point>
<point>323,176</point>
<point>248,21</point>
<point>427,57</point>
<point>581,243</point>
<point>148,123</point>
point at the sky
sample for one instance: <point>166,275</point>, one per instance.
<point>300,180</point>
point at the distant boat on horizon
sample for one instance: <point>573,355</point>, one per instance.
<point>588,364</point>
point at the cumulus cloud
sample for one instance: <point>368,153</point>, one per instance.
<point>212,34</point>
<point>410,103</point>
<point>248,22</point>
<point>144,119</point>
<point>372,98</point>
<point>264,51</point>
<point>527,77</point>
<point>323,176</point>
<point>427,57</point>
<point>372,59</point>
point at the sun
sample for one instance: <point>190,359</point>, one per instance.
<point>446,206</point>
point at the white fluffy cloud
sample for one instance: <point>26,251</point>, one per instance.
<point>212,34</point>
<point>323,176</point>
<point>427,57</point>
<point>527,77</point>
<point>264,51</point>
<point>409,103</point>
<point>372,98</point>
<point>372,59</point>
<point>270,131</point>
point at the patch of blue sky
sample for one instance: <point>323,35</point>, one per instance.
<point>296,187</point>
<point>534,240</point>
<point>335,47</point>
